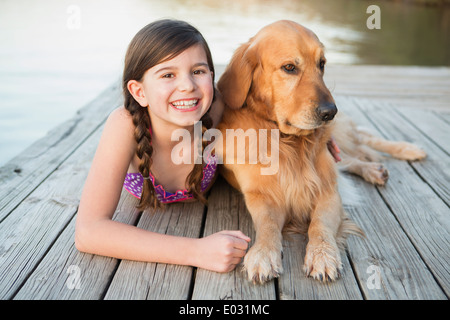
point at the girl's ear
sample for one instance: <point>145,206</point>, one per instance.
<point>136,89</point>
<point>236,80</point>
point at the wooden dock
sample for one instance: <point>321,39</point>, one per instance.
<point>405,255</point>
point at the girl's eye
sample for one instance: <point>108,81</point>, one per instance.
<point>168,75</point>
<point>197,72</point>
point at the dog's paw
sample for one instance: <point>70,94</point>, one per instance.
<point>262,264</point>
<point>409,151</point>
<point>375,173</point>
<point>322,262</point>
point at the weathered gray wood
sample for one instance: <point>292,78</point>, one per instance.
<point>430,124</point>
<point>444,115</point>
<point>20,176</point>
<point>294,285</point>
<point>55,277</point>
<point>31,229</point>
<point>421,215</point>
<point>412,87</point>
<point>435,169</point>
<point>141,280</point>
<point>426,219</point>
<point>403,274</point>
<point>227,211</point>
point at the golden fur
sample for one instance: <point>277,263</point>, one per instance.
<point>275,81</point>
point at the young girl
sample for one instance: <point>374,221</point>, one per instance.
<point>168,84</point>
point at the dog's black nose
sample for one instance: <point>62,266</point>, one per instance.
<point>326,111</point>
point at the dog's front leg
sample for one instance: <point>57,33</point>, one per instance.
<point>322,259</point>
<point>263,260</point>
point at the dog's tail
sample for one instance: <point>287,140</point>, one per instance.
<point>347,228</point>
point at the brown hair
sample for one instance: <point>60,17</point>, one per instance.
<point>157,42</point>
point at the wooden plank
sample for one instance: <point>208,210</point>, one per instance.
<point>294,285</point>
<point>227,211</point>
<point>20,176</point>
<point>445,115</point>
<point>430,124</point>
<point>435,132</point>
<point>31,229</point>
<point>386,263</point>
<point>141,280</point>
<point>435,169</point>
<point>55,277</point>
<point>414,87</point>
<point>418,209</point>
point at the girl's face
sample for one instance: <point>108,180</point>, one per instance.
<point>180,90</point>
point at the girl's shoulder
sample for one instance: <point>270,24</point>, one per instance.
<point>121,115</point>
<point>119,126</point>
<point>120,119</point>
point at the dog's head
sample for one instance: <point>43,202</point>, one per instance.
<point>279,73</point>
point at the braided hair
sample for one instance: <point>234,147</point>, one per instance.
<point>158,42</point>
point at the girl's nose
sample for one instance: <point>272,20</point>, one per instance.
<point>186,83</point>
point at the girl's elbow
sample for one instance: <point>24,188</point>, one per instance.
<point>79,243</point>
<point>82,239</point>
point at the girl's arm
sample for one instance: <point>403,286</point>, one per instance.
<point>97,233</point>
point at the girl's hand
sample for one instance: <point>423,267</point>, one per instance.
<point>222,251</point>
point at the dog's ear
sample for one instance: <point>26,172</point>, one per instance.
<point>236,80</point>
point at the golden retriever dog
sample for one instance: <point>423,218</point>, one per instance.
<point>275,82</point>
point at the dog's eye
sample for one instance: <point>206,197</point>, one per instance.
<point>322,65</point>
<point>290,68</point>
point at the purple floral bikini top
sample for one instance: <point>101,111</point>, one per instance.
<point>134,182</point>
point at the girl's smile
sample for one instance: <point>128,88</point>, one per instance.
<point>185,105</point>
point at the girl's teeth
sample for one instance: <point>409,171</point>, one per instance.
<point>185,104</point>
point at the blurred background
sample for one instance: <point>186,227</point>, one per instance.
<point>57,55</point>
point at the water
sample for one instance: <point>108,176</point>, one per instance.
<point>57,55</point>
